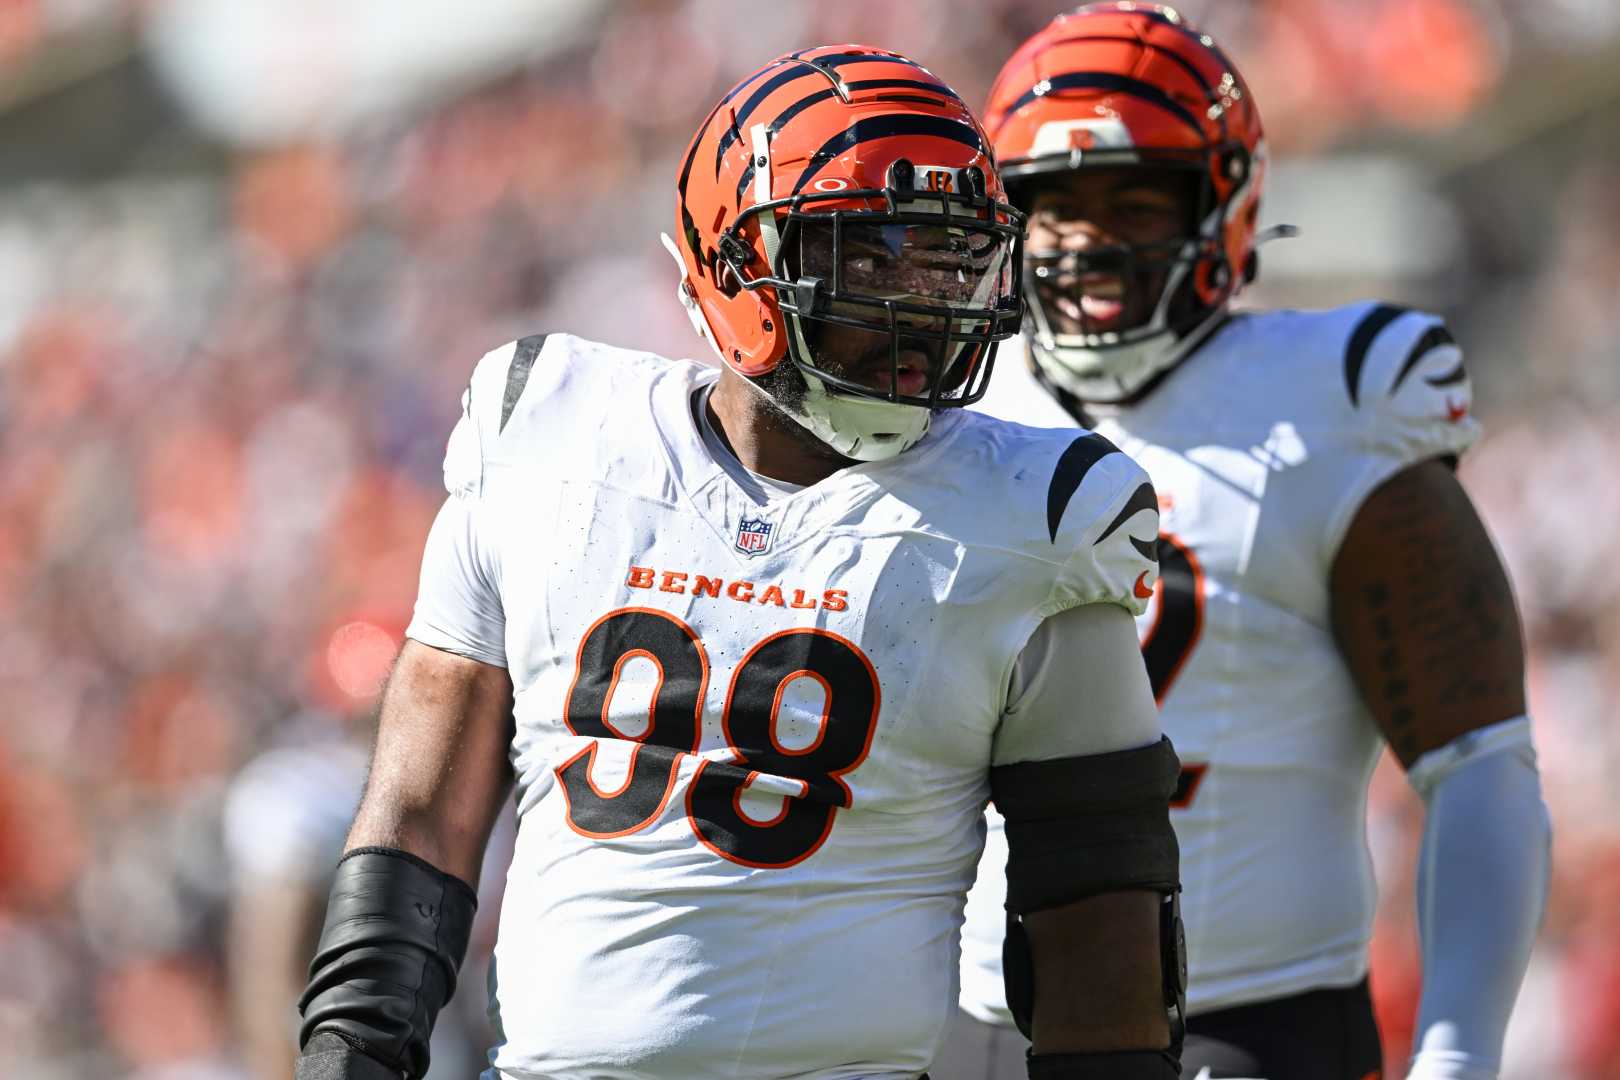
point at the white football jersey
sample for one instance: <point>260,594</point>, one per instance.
<point>1262,447</point>
<point>752,739</point>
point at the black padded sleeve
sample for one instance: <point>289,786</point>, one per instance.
<point>396,931</point>
<point>1081,826</point>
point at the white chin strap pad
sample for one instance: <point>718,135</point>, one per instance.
<point>861,428</point>
<point>858,428</point>
<point>1112,373</point>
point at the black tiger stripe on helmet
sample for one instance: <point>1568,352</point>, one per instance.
<point>729,137</point>
<point>886,126</point>
<point>1102,80</point>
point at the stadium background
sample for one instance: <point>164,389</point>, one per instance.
<point>249,251</point>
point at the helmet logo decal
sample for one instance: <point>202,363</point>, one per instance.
<point>831,183</point>
<point>1067,136</point>
<point>753,536</point>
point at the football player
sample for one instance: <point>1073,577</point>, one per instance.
<point>756,643</point>
<point>1327,587</point>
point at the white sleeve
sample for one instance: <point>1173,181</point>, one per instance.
<point>1079,687</point>
<point>1482,890</point>
<point>458,604</point>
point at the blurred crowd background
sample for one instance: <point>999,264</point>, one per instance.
<point>250,251</point>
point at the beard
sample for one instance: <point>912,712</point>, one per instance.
<point>785,391</point>
<point>784,387</point>
<point>874,364</point>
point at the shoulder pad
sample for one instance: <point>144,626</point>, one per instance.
<point>493,392</point>
<point>1406,383</point>
<point>537,393</point>
<point>1102,517</point>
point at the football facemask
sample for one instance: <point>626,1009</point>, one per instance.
<point>901,311</point>
<point>1105,317</point>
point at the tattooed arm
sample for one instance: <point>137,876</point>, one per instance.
<point>1424,615</point>
<point>1425,619</point>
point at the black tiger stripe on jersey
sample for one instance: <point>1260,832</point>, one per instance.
<point>885,126</point>
<point>1361,339</point>
<point>1143,498</point>
<point>1072,466</point>
<point>517,375</point>
<point>1103,80</point>
<point>1433,339</point>
<point>1450,378</point>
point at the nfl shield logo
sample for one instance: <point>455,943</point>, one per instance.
<point>754,536</point>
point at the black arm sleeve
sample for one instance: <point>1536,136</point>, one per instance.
<point>396,931</point>
<point>1077,827</point>
<point>1081,826</point>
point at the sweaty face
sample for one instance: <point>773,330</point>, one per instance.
<point>943,267</point>
<point>1100,244</point>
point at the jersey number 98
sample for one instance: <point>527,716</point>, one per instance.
<point>809,776</point>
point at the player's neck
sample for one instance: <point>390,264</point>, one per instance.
<point>766,441</point>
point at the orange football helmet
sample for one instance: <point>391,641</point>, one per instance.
<point>848,187</point>
<point>1126,84</point>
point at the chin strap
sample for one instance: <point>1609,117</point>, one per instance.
<point>768,234</point>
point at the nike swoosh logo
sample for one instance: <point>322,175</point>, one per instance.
<point>1142,590</point>
<point>1205,1074</point>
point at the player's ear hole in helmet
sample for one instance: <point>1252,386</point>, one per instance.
<point>840,211</point>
